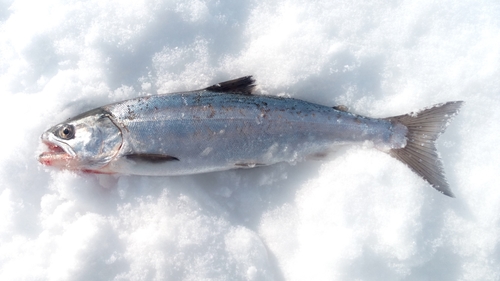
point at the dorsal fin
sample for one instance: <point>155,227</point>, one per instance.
<point>243,85</point>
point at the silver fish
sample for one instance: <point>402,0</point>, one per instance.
<point>226,126</point>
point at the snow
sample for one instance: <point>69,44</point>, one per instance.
<point>358,215</point>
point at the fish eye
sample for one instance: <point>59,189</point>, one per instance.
<point>67,132</point>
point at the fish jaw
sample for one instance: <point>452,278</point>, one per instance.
<point>58,154</point>
<point>55,158</point>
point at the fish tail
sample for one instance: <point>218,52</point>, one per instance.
<point>420,153</point>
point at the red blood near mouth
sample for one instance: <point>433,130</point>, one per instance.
<point>44,160</point>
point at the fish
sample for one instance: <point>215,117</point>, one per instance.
<point>228,126</point>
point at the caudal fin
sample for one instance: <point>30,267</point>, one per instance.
<point>420,154</point>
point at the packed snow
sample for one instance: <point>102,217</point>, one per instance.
<point>357,215</point>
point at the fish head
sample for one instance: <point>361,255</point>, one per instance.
<point>88,141</point>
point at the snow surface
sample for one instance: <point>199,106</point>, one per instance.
<point>359,215</point>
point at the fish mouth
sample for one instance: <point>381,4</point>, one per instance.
<point>53,148</point>
<point>56,154</point>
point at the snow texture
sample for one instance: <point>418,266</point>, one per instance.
<point>358,215</point>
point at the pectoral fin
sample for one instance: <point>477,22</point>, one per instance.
<point>249,165</point>
<point>151,158</point>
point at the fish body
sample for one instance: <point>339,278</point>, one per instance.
<point>225,126</point>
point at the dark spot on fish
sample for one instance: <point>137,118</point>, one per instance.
<point>212,113</point>
<point>318,155</point>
